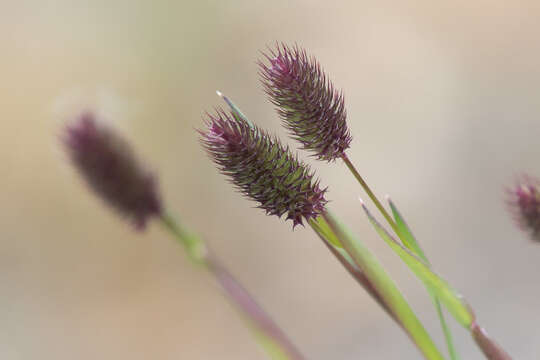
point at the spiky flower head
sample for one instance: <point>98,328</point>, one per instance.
<point>311,108</point>
<point>524,203</point>
<point>262,168</point>
<point>107,164</point>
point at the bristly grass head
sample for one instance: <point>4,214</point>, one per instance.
<point>262,168</point>
<point>107,164</point>
<point>524,203</point>
<point>311,108</point>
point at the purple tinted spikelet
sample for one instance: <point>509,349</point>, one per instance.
<point>524,204</point>
<point>109,167</point>
<point>262,168</point>
<point>307,102</point>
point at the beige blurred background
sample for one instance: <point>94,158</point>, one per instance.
<point>443,104</point>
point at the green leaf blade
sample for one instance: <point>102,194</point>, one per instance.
<point>409,240</point>
<point>453,301</point>
<point>406,234</point>
<point>386,287</point>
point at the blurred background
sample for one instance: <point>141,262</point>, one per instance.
<point>443,105</point>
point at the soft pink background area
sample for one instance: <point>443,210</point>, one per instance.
<point>444,105</point>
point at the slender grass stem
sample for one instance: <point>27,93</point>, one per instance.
<point>276,344</point>
<point>349,265</point>
<point>446,330</point>
<point>489,347</point>
<point>370,193</point>
<point>408,239</point>
<point>386,288</point>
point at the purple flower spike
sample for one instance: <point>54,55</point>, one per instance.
<point>262,168</point>
<point>108,165</point>
<point>525,205</point>
<point>307,102</point>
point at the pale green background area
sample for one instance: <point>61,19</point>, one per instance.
<point>443,104</point>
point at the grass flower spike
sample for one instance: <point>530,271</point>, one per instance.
<point>310,107</point>
<point>266,171</point>
<point>108,165</point>
<point>262,168</point>
<point>314,114</point>
<point>525,205</point>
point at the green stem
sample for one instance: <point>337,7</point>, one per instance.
<point>195,248</point>
<point>489,347</point>
<point>408,239</point>
<point>370,193</point>
<point>446,330</point>
<point>386,288</point>
<point>266,331</point>
<point>330,240</point>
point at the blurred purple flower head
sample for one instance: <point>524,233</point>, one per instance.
<point>107,164</point>
<point>307,102</point>
<point>262,168</point>
<point>524,203</point>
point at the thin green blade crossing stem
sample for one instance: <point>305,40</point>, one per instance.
<point>487,345</point>
<point>406,236</point>
<point>409,240</point>
<point>452,300</point>
<point>444,325</point>
<point>386,287</point>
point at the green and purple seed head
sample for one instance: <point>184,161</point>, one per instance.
<point>524,203</point>
<point>107,164</point>
<point>262,168</point>
<point>311,109</point>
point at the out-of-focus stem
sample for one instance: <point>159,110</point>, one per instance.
<point>271,337</point>
<point>254,313</point>
<point>194,246</point>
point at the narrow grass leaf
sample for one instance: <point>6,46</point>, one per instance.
<point>322,229</point>
<point>409,240</point>
<point>386,287</point>
<point>406,235</point>
<point>454,302</point>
